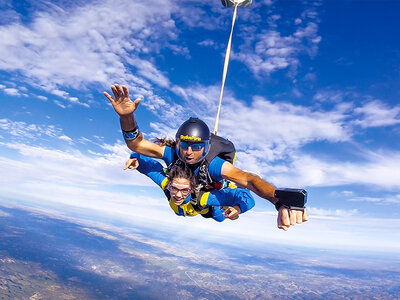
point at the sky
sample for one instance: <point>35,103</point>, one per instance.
<point>310,101</point>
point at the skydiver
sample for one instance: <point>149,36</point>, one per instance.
<point>179,184</point>
<point>191,149</point>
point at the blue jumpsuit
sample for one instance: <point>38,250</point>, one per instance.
<point>218,199</point>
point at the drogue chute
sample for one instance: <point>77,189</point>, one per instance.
<point>232,3</point>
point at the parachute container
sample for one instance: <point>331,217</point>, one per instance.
<point>232,3</point>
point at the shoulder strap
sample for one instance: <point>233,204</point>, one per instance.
<point>222,148</point>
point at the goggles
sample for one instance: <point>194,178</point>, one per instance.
<point>175,188</point>
<point>193,146</point>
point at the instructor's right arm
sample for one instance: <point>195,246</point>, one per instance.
<point>125,108</point>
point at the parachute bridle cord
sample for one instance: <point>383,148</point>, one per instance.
<point>227,54</point>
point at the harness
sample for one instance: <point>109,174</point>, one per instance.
<point>220,147</point>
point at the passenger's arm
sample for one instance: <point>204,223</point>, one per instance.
<point>149,167</point>
<point>237,199</point>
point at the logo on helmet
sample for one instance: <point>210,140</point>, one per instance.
<point>190,138</point>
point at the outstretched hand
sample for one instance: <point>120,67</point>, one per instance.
<point>289,217</point>
<point>122,104</point>
<point>131,164</point>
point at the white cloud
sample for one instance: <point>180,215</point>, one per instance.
<point>65,138</point>
<point>198,15</point>
<point>4,214</point>
<point>329,213</point>
<point>393,199</point>
<point>268,51</point>
<point>326,229</point>
<point>208,43</point>
<point>65,95</point>
<point>334,96</point>
<point>31,131</point>
<point>287,126</point>
<point>70,167</point>
<point>58,103</point>
<point>384,199</point>
<point>11,91</point>
<point>150,72</point>
<point>90,44</point>
<point>379,170</point>
<point>44,98</point>
<point>377,114</point>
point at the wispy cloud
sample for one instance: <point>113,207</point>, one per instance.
<point>47,165</point>
<point>379,170</point>
<point>268,51</point>
<point>91,44</point>
<point>65,95</point>
<point>25,130</point>
<point>394,199</point>
<point>329,213</point>
<point>13,91</point>
<point>47,154</point>
<point>377,114</point>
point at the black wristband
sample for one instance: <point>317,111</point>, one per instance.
<point>131,135</point>
<point>278,205</point>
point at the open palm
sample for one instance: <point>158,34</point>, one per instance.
<point>122,104</point>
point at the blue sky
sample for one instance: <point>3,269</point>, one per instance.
<point>311,100</point>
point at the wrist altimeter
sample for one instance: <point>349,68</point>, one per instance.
<point>291,198</point>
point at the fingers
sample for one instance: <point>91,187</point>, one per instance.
<point>127,164</point>
<point>299,216</point>
<point>290,217</point>
<point>305,216</point>
<point>131,164</point>
<point>283,219</point>
<point>119,90</point>
<point>136,102</point>
<point>126,91</point>
<point>115,91</point>
<point>231,213</point>
<point>108,96</point>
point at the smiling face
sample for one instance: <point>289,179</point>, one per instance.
<point>179,189</point>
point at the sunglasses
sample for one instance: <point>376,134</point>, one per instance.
<point>193,146</point>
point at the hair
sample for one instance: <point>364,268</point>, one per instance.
<point>165,142</point>
<point>182,171</point>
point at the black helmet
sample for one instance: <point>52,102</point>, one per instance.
<point>194,130</point>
